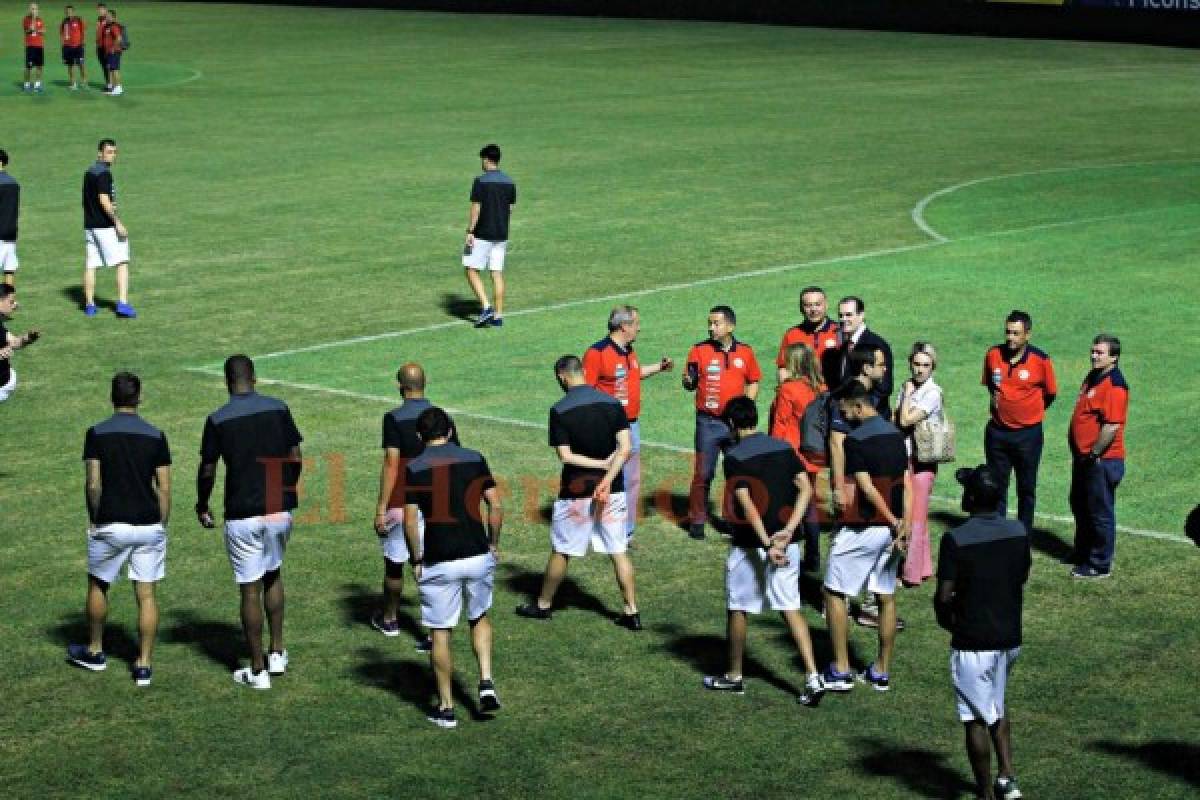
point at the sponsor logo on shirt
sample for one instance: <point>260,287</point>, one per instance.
<point>997,376</point>
<point>1023,374</point>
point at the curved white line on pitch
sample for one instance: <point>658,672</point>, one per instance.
<point>195,76</point>
<point>918,211</point>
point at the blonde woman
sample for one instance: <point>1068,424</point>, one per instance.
<point>919,398</point>
<point>801,384</point>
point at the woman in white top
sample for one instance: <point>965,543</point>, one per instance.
<point>919,398</point>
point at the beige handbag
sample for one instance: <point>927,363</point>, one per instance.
<point>934,440</point>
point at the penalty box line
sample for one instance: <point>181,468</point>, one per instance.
<point>672,448</point>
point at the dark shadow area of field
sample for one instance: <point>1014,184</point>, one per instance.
<point>1170,757</point>
<point>921,771</point>
<point>528,584</point>
<point>74,293</point>
<point>411,681</point>
<point>220,642</point>
<point>673,507</point>
<point>1040,539</point>
<point>707,654</point>
<point>360,603</point>
<point>119,639</point>
<point>459,306</point>
<point>1191,527</point>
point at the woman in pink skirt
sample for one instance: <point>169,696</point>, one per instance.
<point>919,398</point>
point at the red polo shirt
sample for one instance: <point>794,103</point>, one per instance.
<point>72,32</point>
<point>1103,399</point>
<point>615,371</point>
<point>1023,390</point>
<point>787,418</point>
<point>112,38</point>
<point>819,339</point>
<point>35,31</point>
<point>723,374</point>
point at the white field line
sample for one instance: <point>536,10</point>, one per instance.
<point>195,76</point>
<point>673,448</point>
<point>918,211</point>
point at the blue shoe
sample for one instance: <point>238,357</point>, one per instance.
<point>485,317</point>
<point>90,309</point>
<point>78,655</point>
<point>879,681</point>
<point>1088,572</point>
<point>497,322</point>
<point>141,676</point>
<point>837,681</point>
<point>125,311</point>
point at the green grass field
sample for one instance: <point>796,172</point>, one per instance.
<point>294,179</point>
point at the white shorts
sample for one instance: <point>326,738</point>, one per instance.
<point>750,576</point>
<point>104,249</point>
<point>574,526</point>
<point>145,547</point>
<point>442,586</point>
<point>8,257</point>
<point>980,677</point>
<point>862,557</point>
<point>395,546</point>
<point>7,389</point>
<point>486,255</point>
<point>256,544</point>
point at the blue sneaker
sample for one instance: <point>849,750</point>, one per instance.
<point>141,676</point>
<point>90,309</point>
<point>497,322</point>
<point>125,311</point>
<point>485,317</point>
<point>837,681</point>
<point>879,680</point>
<point>78,655</point>
<point>1088,572</point>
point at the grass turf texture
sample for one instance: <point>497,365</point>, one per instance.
<point>310,185</point>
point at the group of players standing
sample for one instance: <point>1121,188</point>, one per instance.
<point>111,40</point>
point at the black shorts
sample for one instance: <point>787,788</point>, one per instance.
<point>101,56</point>
<point>35,57</point>
<point>73,56</point>
<point>112,61</point>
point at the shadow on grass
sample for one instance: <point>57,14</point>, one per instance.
<point>360,603</point>
<point>74,293</point>
<point>119,640</point>
<point>707,654</point>
<point>411,681</point>
<point>1040,539</point>
<point>921,771</point>
<point>528,584</point>
<point>460,306</point>
<point>220,642</point>
<point>1170,757</point>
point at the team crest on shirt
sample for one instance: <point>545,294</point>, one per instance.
<point>737,362</point>
<point>1023,374</point>
<point>1091,393</point>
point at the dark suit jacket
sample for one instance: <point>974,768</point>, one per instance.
<point>834,366</point>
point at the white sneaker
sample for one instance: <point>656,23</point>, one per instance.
<point>255,680</point>
<point>37,87</point>
<point>277,662</point>
<point>25,88</point>
<point>116,91</point>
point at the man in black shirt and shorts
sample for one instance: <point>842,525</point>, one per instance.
<point>868,547</point>
<point>982,568</point>
<point>10,342</point>
<point>455,559</point>
<point>260,445</point>
<point>590,433</point>
<point>493,194</point>
<point>128,489</point>
<point>767,493</point>
<point>10,209</point>
<point>105,238</point>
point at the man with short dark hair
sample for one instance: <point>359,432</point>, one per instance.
<point>493,195</point>
<point>101,56</point>
<point>816,331</point>
<point>10,212</point>
<point>128,490</point>
<point>105,238</point>
<point>454,562</point>
<point>852,321</point>
<point>70,31</point>
<point>767,493</point>
<point>1097,440</point>
<point>590,434</point>
<point>611,366</point>
<point>982,568</point>
<point>1020,381</point>
<point>258,441</point>
<point>10,342</point>
<point>867,549</point>
<point>718,370</point>
<point>35,48</point>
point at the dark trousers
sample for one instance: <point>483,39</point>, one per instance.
<point>713,437</point>
<point>1017,451</point>
<point>1093,503</point>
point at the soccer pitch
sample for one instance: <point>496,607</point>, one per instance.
<point>295,183</point>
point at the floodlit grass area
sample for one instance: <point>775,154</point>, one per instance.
<point>295,184</point>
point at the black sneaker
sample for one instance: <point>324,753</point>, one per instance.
<point>424,645</point>
<point>631,621</point>
<point>533,611</point>
<point>442,717</point>
<point>696,530</point>
<point>814,690</point>
<point>489,701</point>
<point>723,683</point>
<point>485,317</point>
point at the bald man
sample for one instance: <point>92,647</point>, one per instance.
<point>400,445</point>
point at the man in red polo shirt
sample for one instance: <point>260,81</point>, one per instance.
<point>70,31</point>
<point>101,56</point>
<point>718,370</point>
<point>1020,379</point>
<point>1097,439</point>
<point>818,332</point>
<point>611,366</point>
<point>114,36</point>
<point>35,47</point>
